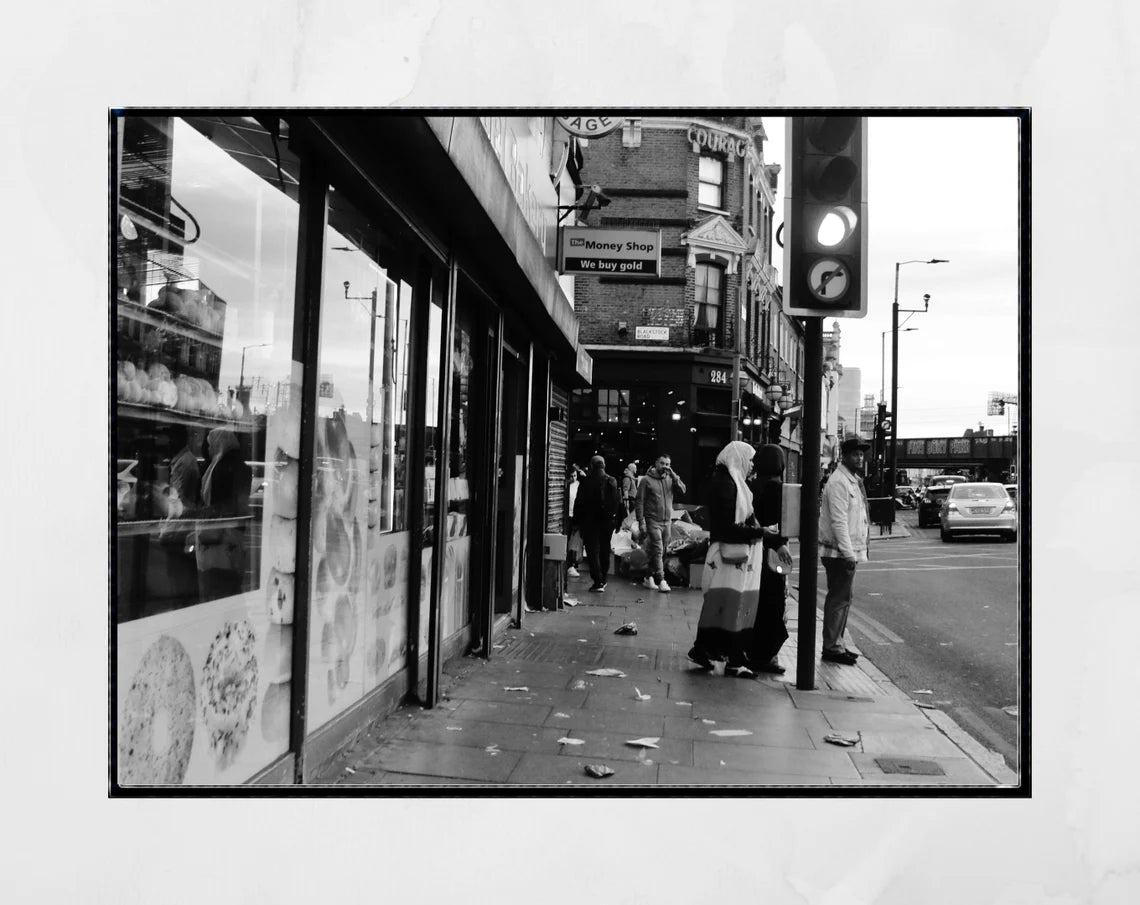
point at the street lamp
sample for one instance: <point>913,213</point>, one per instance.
<point>883,361</point>
<point>891,460</point>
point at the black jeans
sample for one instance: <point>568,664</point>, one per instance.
<point>837,604</point>
<point>596,539</point>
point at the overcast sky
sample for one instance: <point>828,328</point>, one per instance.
<point>939,187</point>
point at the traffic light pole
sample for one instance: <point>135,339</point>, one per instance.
<point>809,504</point>
<point>890,458</point>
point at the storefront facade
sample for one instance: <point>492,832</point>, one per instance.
<point>337,342</point>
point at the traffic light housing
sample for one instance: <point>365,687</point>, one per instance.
<point>825,217</point>
<point>1001,406</point>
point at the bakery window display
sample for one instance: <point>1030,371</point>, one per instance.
<point>207,443</point>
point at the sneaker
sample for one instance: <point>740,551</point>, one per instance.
<point>663,586</point>
<point>572,572</point>
<point>598,588</point>
<point>649,583</point>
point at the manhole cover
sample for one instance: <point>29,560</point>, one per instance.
<point>912,766</point>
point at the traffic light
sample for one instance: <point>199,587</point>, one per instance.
<point>825,217</point>
<point>1001,406</point>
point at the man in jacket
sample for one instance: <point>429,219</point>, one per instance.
<point>844,536</point>
<point>655,517</point>
<point>596,510</point>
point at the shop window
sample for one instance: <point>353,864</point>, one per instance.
<point>710,191</point>
<point>708,289</point>
<point>360,545</point>
<point>206,439</point>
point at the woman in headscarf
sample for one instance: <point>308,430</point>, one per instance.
<point>219,546</point>
<point>732,589</point>
<point>770,632</point>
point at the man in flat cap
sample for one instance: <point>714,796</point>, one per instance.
<point>844,537</point>
<point>597,512</point>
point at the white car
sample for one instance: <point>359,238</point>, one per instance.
<point>980,508</point>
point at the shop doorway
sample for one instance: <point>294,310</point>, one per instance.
<point>508,528</point>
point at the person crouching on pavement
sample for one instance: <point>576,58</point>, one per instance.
<point>732,587</point>
<point>844,539</point>
<point>597,511</point>
<point>655,517</point>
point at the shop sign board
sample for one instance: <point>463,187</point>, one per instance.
<point>610,252</point>
<point>590,126</point>
<point>651,333</point>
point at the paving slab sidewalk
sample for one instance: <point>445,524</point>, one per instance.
<point>538,713</point>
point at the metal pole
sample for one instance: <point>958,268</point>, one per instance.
<point>809,503</point>
<point>894,389</point>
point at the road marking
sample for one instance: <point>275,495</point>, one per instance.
<point>886,632</point>
<point>861,622</point>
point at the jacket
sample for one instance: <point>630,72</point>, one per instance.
<point>655,497</point>
<point>844,526</point>
<point>629,482</point>
<point>598,499</point>
<point>722,513</point>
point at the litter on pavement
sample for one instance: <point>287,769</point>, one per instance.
<point>924,705</point>
<point>454,728</point>
<point>643,656</point>
<point>564,716</point>
<point>578,686</point>
<point>571,601</point>
<point>515,688</point>
<point>566,740</point>
<point>598,771</point>
<point>349,770</point>
<point>638,695</point>
<point>492,749</point>
<point>729,733</point>
<point>1011,710</point>
<point>630,628</point>
<point>842,740</point>
<point>607,672</point>
<point>709,722</point>
<point>922,691</point>
<point>644,742</point>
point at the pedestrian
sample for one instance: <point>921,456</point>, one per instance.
<point>574,541</point>
<point>770,631</point>
<point>732,566</point>
<point>597,511</point>
<point>185,476</point>
<point>629,481</point>
<point>654,507</point>
<point>844,538</point>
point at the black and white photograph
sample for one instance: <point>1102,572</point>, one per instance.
<point>378,375</point>
<point>604,453</point>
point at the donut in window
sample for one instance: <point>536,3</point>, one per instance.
<point>157,732</point>
<point>229,690</point>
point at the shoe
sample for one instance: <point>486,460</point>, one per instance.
<point>772,667</point>
<point>649,583</point>
<point>844,656</point>
<point>739,672</point>
<point>572,573</point>
<point>696,655</point>
<point>663,586</point>
<point>598,588</point>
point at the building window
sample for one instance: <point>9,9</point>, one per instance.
<point>711,176</point>
<point>609,406</point>
<point>708,289</point>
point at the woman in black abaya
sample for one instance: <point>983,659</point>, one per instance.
<point>770,632</point>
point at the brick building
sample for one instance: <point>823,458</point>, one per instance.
<point>664,346</point>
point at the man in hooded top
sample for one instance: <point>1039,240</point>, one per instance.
<point>655,516</point>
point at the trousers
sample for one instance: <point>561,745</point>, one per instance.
<point>837,603</point>
<point>596,539</point>
<point>656,537</point>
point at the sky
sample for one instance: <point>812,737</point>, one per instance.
<point>938,187</point>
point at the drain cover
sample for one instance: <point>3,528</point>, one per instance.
<point>912,766</point>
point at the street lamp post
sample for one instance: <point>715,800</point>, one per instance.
<point>891,459</point>
<point>883,361</point>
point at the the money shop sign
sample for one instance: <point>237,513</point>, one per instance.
<point>610,252</point>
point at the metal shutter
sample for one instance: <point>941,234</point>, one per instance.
<point>556,460</point>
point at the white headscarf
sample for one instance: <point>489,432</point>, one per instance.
<point>737,458</point>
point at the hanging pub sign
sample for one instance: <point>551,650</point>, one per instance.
<point>610,252</point>
<point>590,126</point>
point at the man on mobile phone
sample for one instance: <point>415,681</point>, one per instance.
<point>655,517</point>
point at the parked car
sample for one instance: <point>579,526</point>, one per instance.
<point>978,508</point>
<point>945,479</point>
<point>930,505</point>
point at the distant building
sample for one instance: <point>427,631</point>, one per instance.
<point>867,416</point>
<point>850,385</point>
